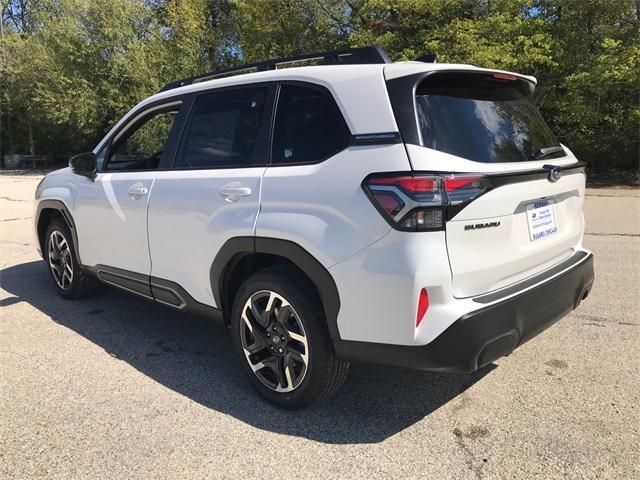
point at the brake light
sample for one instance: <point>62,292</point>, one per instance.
<point>505,76</point>
<point>423,202</point>
<point>423,305</point>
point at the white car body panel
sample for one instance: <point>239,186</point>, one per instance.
<point>322,207</point>
<point>189,221</point>
<point>111,225</point>
<point>508,256</point>
<point>395,268</point>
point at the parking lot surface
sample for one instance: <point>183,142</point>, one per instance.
<point>117,387</point>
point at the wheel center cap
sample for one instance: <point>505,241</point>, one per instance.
<point>275,339</point>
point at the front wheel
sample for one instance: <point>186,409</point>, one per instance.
<point>70,279</point>
<point>280,335</point>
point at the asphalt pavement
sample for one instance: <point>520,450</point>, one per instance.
<point>116,387</point>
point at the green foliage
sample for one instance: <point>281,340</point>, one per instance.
<point>584,53</point>
<point>70,68</point>
<point>276,28</point>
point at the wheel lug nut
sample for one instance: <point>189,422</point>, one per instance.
<point>282,338</point>
<point>280,350</point>
<point>268,334</point>
<point>271,348</point>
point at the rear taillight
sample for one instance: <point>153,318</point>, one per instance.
<point>465,188</point>
<point>422,202</point>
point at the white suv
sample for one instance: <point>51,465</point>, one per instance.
<point>413,214</point>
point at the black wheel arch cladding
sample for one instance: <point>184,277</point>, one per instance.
<point>61,209</point>
<point>236,248</point>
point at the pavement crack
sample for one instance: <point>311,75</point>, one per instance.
<point>14,199</point>
<point>14,219</point>
<point>473,433</point>
<point>17,243</point>
<point>595,321</point>
<point>604,234</point>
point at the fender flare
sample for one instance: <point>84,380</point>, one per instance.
<point>235,248</point>
<point>61,207</point>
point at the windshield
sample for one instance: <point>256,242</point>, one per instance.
<point>483,117</point>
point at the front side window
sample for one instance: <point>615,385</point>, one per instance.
<point>308,127</point>
<point>141,147</point>
<point>224,130</point>
<point>483,117</point>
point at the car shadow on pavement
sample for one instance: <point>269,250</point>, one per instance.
<point>193,357</point>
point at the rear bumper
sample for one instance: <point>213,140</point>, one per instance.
<point>484,335</point>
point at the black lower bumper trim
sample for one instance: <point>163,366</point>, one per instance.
<point>485,335</point>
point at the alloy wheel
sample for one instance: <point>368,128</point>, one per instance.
<point>60,260</point>
<point>274,341</point>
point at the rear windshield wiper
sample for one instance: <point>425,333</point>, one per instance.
<point>546,151</point>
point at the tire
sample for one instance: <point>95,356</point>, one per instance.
<point>70,279</point>
<point>282,298</point>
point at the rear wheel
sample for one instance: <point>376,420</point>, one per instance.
<point>280,335</point>
<point>70,279</point>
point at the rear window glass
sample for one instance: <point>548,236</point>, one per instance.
<point>484,118</point>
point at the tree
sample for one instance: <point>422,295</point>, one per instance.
<point>70,68</point>
<point>585,54</point>
<point>276,28</point>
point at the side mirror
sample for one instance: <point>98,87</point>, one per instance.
<point>84,164</point>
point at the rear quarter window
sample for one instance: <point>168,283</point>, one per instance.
<point>308,127</point>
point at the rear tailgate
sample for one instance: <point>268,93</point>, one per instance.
<point>514,195</point>
<point>514,231</point>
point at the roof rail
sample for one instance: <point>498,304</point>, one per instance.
<point>350,56</point>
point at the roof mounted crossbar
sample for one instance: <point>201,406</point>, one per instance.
<point>351,56</point>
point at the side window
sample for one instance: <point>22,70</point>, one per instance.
<point>141,147</point>
<point>224,130</point>
<point>308,127</point>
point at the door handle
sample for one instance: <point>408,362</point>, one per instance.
<point>137,191</point>
<point>233,193</point>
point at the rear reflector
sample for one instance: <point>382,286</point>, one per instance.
<point>423,305</point>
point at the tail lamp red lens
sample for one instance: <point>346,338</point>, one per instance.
<point>455,182</point>
<point>423,306</point>
<point>409,184</point>
<point>419,202</point>
<point>389,202</point>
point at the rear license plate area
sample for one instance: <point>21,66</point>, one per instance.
<point>541,220</point>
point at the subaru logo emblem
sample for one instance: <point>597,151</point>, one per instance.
<point>555,174</point>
